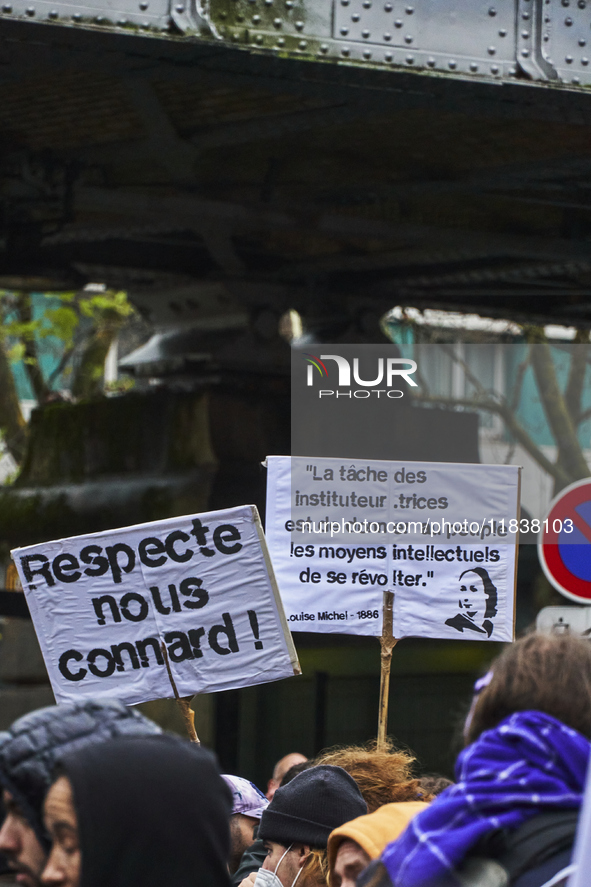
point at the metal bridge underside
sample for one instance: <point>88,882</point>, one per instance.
<point>215,183</point>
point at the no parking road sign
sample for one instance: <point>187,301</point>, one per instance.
<point>564,545</point>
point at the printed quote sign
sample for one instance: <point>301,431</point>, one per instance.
<point>441,536</point>
<point>203,586</point>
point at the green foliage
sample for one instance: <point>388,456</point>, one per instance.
<point>69,331</point>
<point>113,304</point>
<point>16,352</point>
<point>62,323</point>
<point>66,316</point>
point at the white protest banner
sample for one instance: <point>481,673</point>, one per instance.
<point>202,585</point>
<point>331,525</point>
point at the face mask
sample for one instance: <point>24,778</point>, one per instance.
<point>267,878</point>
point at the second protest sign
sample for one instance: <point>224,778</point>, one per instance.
<point>440,536</point>
<point>202,585</point>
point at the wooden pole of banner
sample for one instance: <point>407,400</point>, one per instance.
<point>387,643</point>
<point>183,702</point>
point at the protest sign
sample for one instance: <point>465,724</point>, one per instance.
<point>202,585</point>
<point>440,536</point>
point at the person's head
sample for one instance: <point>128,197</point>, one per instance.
<point>547,673</point>
<point>297,823</point>
<point>350,860</point>
<point>248,804</point>
<point>28,753</point>
<point>138,812</point>
<point>352,846</point>
<point>242,831</point>
<point>24,851</point>
<point>64,864</point>
<point>383,775</point>
<point>295,771</point>
<point>284,864</point>
<point>477,595</point>
<point>280,769</point>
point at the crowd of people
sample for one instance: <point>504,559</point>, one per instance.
<point>96,795</point>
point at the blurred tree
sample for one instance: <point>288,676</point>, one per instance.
<point>80,326</point>
<point>561,394</point>
<point>563,407</point>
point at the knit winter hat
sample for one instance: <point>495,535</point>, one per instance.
<point>308,808</point>
<point>375,831</point>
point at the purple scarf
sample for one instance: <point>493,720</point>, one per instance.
<point>530,762</point>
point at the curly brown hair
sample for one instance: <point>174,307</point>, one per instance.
<point>315,870</point>
<point>383,775</point>
<point>548,673</point>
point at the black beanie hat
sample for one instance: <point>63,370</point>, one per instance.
<point>308,808</point>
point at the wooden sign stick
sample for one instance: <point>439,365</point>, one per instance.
<point>182,701</point>
<point>387,643</point>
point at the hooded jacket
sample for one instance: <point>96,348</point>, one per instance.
<point>374,831</point>
<point>152,812</point>
<point>30,748</point>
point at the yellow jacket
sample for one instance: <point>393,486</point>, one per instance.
<point>374,831</point>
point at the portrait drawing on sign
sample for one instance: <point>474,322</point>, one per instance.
<point>477,602</point>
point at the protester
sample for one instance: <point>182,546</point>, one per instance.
<point>248,804</point>
<point>519,783</point>
<point>6,874</point>
<point>28,753</point>
<point>352,846</point>
<point>252,859</point>
<point>138,812</point>
<point>297,823</point>
<point>383,775</point>
<point>280,769</point>
<point>254,856</point>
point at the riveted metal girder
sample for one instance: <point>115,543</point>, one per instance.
<point>566,38</point>
<point>545,40</point>
<point>133,15</point>
<point>147,14</point>
<point>429,34</point>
